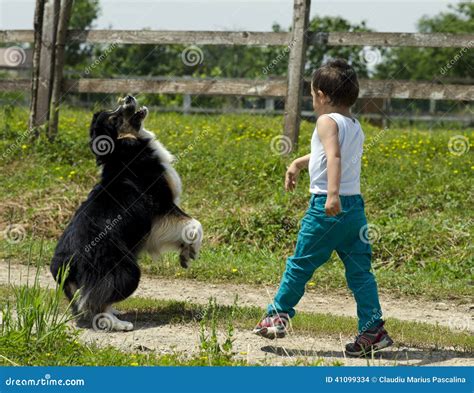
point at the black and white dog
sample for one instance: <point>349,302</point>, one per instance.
<point>133,208</point>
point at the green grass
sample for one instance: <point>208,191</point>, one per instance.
<point>418,195</point>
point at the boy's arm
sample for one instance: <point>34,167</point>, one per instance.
<point>294,170</point>
<point>328,135</point>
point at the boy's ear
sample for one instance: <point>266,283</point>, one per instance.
<point>323,97</point>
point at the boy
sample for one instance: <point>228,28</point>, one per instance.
<point>335,219</point>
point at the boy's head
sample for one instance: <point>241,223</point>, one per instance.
<point>334,84</point>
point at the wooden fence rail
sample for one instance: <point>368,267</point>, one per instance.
<point>249,87</point>
<point>293,88</point>
<point>252,38</point>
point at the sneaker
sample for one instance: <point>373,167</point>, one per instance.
<point>273,326</point>
<point>370,341</point>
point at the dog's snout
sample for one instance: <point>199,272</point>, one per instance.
<point>129,99</point>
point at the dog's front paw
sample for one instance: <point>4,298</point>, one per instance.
<point>184,258</point>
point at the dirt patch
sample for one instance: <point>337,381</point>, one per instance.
<point>301,349</point>
<point>296,348</point>
<point>448,313</point>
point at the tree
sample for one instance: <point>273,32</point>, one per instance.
<point>317,54</point>
<point>444,64</point>
<point>83,15</point>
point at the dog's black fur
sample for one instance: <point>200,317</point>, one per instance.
<point>101,244</point>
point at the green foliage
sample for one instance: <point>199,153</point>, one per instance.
<point>212,349</point>
<point>317,54</point>
<point>434,63</point>
<point>34,320</point>
<point>84,13</point>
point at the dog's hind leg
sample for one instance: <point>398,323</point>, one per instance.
<point>176,231</point>
<point>115,285</point>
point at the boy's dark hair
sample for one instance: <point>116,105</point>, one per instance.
<point>337,80</point>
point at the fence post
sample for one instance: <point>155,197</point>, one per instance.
<point>269,104</point>
<point>65,16</point>
<point>296,63</point>
<point>46,63</point>
<point>38,28</point>
<point>187,104</point>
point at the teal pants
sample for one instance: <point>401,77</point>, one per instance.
<point>319,236</point>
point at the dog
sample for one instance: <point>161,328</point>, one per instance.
<point>133,208</point>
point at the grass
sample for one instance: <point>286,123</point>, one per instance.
<point>418,197</point>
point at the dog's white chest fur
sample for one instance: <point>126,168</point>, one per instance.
<point>166,158</point>
<point>170,232</point>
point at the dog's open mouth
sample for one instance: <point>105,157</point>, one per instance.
<point>133,116</point>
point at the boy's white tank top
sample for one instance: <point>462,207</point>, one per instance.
<point>351,142</point>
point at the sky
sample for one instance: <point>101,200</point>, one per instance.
<point>252,15</point>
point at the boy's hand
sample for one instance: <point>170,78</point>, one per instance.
<point>291,177</point>
<point>333,205</point>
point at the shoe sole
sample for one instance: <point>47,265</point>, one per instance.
<point>382,344</point>
<point>271,333</point>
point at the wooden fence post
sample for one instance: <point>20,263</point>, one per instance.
<point>269,104</point>
<point>294,95</point>
<point>46,63</point>
<point>38,28</point>
<point>187,104</point>
<point>64,17</point>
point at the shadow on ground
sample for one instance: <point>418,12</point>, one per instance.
<point>398,356</point>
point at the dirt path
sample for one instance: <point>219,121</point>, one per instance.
<point>448,313</point>
<point>170,338</point>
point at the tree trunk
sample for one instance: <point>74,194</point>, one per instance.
<point>64,17</point>
<point>38,28</point>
